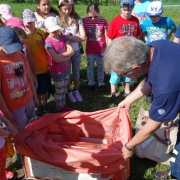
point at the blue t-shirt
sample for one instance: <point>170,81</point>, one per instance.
<point>164,78</point>
<point>157,31</point>
<point>140,10</point>
<point>177,33</point>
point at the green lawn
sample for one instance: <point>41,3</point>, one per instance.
<point>140,168</point>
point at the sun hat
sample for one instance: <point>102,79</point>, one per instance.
<point>155,8</point>
<point>127,3</point>
<point>52,24</point>
<point>9,40</point>
<point>6,11</point>
<point>15,22</point>
<point>28,16</point>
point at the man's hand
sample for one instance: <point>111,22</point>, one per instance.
<point>126,153</point>
<point>124,104</point>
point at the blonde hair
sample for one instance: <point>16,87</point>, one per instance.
<point>73,15</point>
<point>20,32</point>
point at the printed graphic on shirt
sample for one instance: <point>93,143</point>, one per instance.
<point>156,33</point>
<point>141,16</point>
<point>95,34</point>
<point>38,42</point>
<point>16,79</point>
<point>128,29</point>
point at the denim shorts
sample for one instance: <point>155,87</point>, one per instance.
<point>43,83</point>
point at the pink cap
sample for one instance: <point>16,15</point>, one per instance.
<point>15,22</point>
<point>6,11</point>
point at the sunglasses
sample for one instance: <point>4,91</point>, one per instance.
<point>154,16</point>
<point>92,17</point>
<point>124,74</point>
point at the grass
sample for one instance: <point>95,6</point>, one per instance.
<point>141,169</point>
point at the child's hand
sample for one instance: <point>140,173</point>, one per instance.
<point>9,116</point>
<point>13,131</point>
<point>36,102</point>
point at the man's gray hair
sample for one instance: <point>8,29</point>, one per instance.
<point>125,52</point>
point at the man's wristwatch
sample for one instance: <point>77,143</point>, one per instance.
<point>129,149</point>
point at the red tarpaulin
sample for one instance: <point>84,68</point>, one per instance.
<point>82,142</point>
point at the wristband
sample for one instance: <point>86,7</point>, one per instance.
<point>129,149</point>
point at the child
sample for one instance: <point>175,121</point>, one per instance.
<point>60,53</point>
<point>10,131</point>
<point>177,35</point>
<point>123,25</point>
<point>156,28</point>
<point>17,92</point>
<point>140,10</point>
<point>36,42</point>
<point>44,10</point>
<point>5,12</point>
<point>27,52</point>
<point>96,31</point>
<point>72,24</point>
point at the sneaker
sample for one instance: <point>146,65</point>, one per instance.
<point>113,99</point>
<point>103,88</point>
<point>160,175</point>
<point>92,88</point>
<point>148,99</point>
<point>9,174</point>
<point>40,110</point>
<point>71,97</point>
<point>78,95</point>
<point>46,108</point>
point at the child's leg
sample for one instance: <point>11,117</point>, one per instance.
<point>60,91</point>
<point>76,61</point>
<point>24,115</point>
<point>90,69</point>
<point>100,71</point>
<point>127,82</point>
<point>3,163</point>
<point>114,81</point>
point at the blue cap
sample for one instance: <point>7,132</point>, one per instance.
<point>9,40</point>
<point>127,3</point>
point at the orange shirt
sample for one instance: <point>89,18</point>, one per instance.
<point>15,87</point>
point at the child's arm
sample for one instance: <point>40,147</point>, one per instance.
<point>30,59</point>
<point>105,34</point>
<point>36,102</point>
<point>11,131</point>
<point>171,33</point>
<point>109,41</point>
<point>63,56</point>
<point>4,108</point>
<point>176,40</point>
<point>80,36</point>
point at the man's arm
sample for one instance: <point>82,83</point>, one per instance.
<point>147,130</point>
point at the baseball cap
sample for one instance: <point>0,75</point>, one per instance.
<point>6,11</point>
<point>155,8</point>
<point>15,22</point>
<point>127,3</point>
<point>9,40</point>
<point>28,16</point>
<point>52,24</point>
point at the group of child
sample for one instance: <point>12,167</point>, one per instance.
<point>46,44</point>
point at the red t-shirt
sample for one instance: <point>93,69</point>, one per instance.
<point>96,40</point>
<point>124,27</point>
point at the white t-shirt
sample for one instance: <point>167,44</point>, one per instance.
<point>73,30</point>
<point>40,20</point>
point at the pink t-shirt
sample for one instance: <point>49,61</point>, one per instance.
<point>59,47</point>
<point>124,27</point>
<point>96,40</point>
